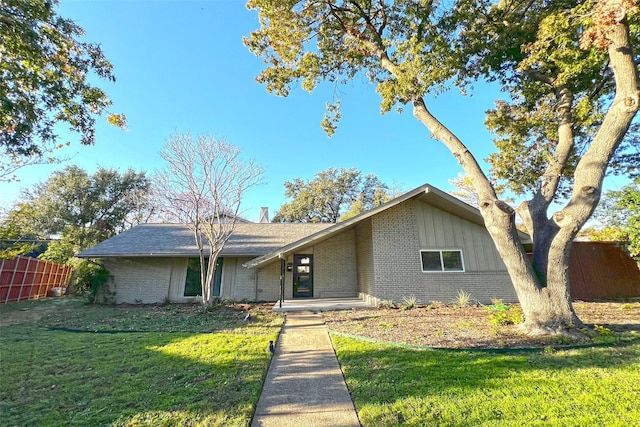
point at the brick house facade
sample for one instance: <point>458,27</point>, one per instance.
<point>425,243</point>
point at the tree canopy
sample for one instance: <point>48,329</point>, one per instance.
<point>569,75</point>
<point>619,216</point>
<point>332,195</point>
<point>44,80</point>
<point>81,209</point>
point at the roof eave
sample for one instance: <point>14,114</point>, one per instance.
<point>134,255</point>
<point>162,255</point>
<point>452,204</point>
<point>335,228</point>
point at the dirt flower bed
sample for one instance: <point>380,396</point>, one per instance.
<point>440,325</point>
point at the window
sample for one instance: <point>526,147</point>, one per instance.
<point>442,260</point>
<point>193,284</point>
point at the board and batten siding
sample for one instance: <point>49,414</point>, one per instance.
<point>238,283</point>
<point>438,229</point>
<point>398,235</point>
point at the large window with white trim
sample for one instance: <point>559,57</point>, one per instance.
<point>442,260</point>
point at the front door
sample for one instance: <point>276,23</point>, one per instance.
<point>303,276</point>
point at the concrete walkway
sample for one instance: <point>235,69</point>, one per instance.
<point>304,385</point>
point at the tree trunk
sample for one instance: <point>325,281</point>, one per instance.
<point>547,305</point>
<point>542,284</point>
<point>208,284</point>
<point>203,279</point>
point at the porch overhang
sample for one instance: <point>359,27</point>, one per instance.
<point>425,193</point>
<point>317,305</point>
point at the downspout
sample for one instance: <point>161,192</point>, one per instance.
<point>282,273</point>
<point>255,285</point>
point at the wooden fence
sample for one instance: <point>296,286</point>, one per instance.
<point>24,278</point>
<point>602,270</point>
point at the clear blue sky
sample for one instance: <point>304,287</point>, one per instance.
<point>181,66</point>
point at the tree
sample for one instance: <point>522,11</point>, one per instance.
<point>569,70</point>
<point>332,195</point>
<point>81,209</point>
<point>202,185</point>
<point>18,234</point>
<point>619,214</point>
<point>44,71</point>
<point>465,190</point>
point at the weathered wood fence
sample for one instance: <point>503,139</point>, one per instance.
<point>24,278</point>
<point>602,270</point>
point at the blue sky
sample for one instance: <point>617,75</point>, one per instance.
<point>181,66</point>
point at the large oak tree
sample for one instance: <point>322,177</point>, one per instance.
<point>45,79</point>
<point>569,74</point>
<point>80,208</point>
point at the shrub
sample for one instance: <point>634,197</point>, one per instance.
<point>463,299</point>
<point>89,278</point>
<point>502,315</point>
<point>409,302</point>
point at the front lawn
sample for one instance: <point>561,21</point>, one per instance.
<point>67,363</point>
<point>392,385</point>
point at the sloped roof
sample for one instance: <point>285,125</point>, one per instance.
<point>176,240</point>
<point>262,241</point>
<point>426,193</point>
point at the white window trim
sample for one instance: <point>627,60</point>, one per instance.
<point>442,261</point>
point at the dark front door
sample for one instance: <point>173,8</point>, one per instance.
<point>303,276</point>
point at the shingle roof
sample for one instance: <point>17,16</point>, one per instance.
<point>262,241</point>
<point>426,193</point>
<point>158,240</point>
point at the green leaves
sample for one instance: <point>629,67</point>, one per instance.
<point>331,196</point>
<point>619,214</point>
<point>43,78</point>
<point>81,209</point>
<point>408,49</point>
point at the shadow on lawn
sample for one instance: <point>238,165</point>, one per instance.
<point>98,379</point>
<point>56,377</point>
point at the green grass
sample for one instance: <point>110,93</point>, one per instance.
<point>156,366</point>
<point>391,385</point>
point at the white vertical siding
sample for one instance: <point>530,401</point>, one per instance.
<point>438,229</point>
<point>177,280</point>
